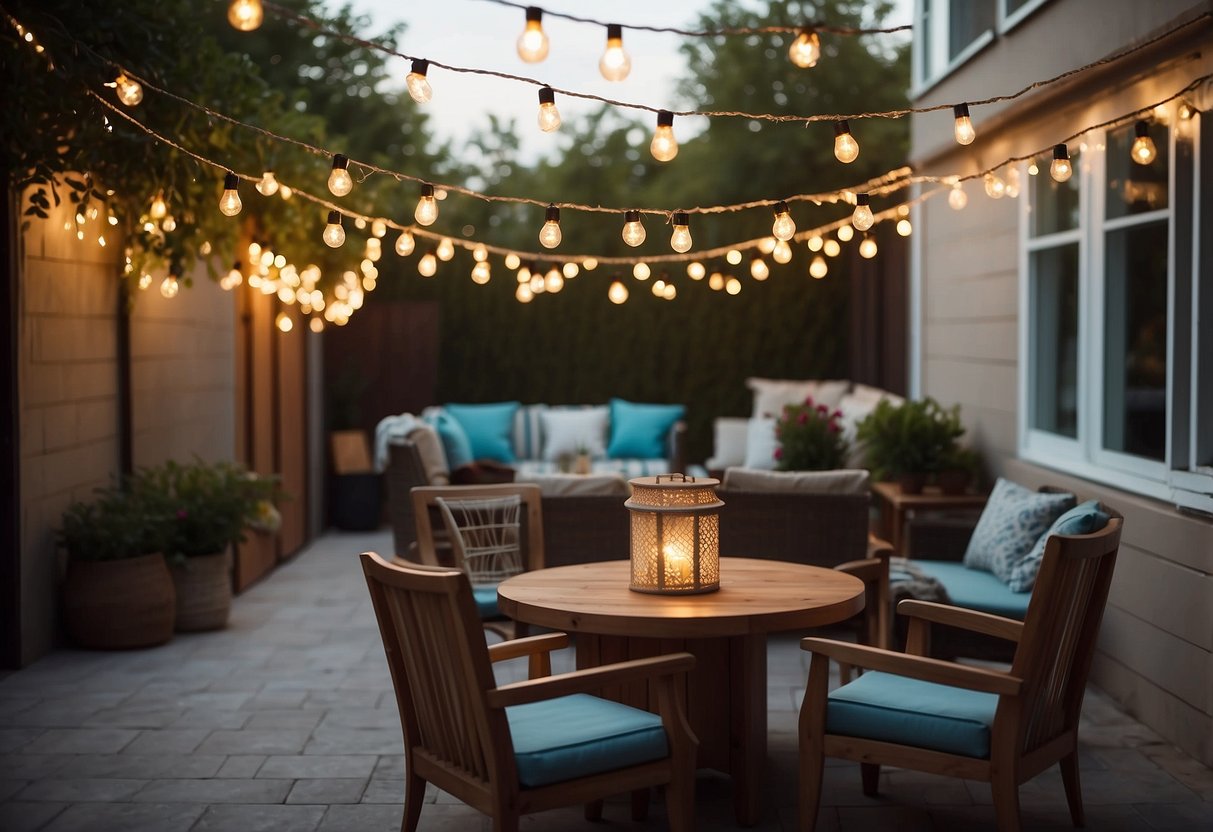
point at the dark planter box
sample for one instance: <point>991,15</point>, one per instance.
<point>356,503</point>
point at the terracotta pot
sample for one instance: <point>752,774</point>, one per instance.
<point>912,483</point>
<point>119,604</point>
<point>204,591</point>
<point>954,481</point>
<point>582,464</point>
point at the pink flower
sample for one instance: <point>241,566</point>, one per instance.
<point>779,453</point>
<point>834,427</point>
<point>808,400</point>
<point>804,417</point>
<point>821,408</point>
<point>837,414</point>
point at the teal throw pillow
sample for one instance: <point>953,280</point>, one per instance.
<point>455,442</point>
<point>639,430</point>
<point>1013,520</point>
<point>1086,518</point>
<point>489,427</point>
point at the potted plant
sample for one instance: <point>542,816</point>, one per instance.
<point>907,442</point>
<point>810,438</point>
<point>957,468</point>
<point>583,463</point>
<point>117,593</point>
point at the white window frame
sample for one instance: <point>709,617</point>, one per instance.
<point>1007,22</point>
<point>928,70</point>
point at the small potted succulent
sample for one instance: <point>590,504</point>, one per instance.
<point>810,438</point>
<point>910,441</point>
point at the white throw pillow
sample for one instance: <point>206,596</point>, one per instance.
<point>771,394</point>
<point>761,444</point>
<point>875,394</point>
<point>566,431</point>
<point>838,481</point>
<point>729,442</point>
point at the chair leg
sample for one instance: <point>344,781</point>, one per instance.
<point>679,801</point>
<point>593,810</point>
<point>1006,802</point>
<point>640,804</point>
<point>812,741</point>
<point>870,772</point>
<point>1070,779</point>
<point>414,797</point>
<point>505,822</point>
<point>845,672</point>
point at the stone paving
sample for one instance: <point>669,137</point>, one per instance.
<point>286,721</point>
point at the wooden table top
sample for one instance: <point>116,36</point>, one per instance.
<point>755,596</point>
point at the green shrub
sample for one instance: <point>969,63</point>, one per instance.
<point>810,438</point>
<point>118,524</point>
<point>911,438</point>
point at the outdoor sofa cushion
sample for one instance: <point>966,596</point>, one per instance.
<point>567,431</point>
<point>1012,521</point>
<point>838,481</point>
<point>639,431</point>
<point>488,427</point>
<point>1085,518</point>
<point>976,589</point>
<point>455,442</point>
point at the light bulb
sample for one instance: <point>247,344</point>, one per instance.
<point>145,280</point>
<point>445,250</point>
<point>316,325</point>
<point>233,279</point>
<point>170,287</point>
<point>130,91</point>
<point>589,264</point>
<point>904,228</point>
<point>1061,169</point>
<point>633,230</point>
<point>867,247</point>
<point>784,226</point>
<point>523,293</point>
<point>158,209</point>
<point>428,264</point>
<point>267,185</point>
<point>284,322</point>
<point>549,235</point>
<point>995,187</point>
<point>1032,168</point>
<point>571,270</point>
<point>533,42</point>
<point>846,149</point>
<point>229,203</point>
<point>334,234</point>
<point>732,286</point>
<point>405,244</point>
<point>733,257</point>
<point>340,182</point>
<point>658,288</point>
<point>845,233</point>
<point>716,282</point>
<point>553,281</point>
<point>524,274</point>
<point>818,268</point>
<point>831,248</point>
<point>245,15</point>
<point>169,224</point>
<point>511,261</point>
<point>285,192</point>
<point>481,273</point>
<point>641,271</point>
<point>664,146</point>
<point>549,116</point>
<point>805,51</point>
<point>957,198</point>
<point>378,229</point>
<point>1012,183</point>
<point>537,284</point>
<point>695,270</point>
<point>862,219</point>
<point>815,243</point>
<point>427,206</point>
<point>618,293</point>
<point>680,240</point>
<point>963,129</point>
<point>614,63</point>
<point>767,244</point>
<point>782,253</point>
<point>759,269</point>
<point>1144,150</point>
<point>418,85</point>
<point>480,253</point>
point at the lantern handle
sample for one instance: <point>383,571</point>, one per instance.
<point>673,478</point>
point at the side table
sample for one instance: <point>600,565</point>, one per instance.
<point>896,507</point>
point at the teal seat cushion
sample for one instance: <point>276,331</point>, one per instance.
<point>1086,518</point>
<point>489,428</point>
<point>975,589</point>
<point>579,735</point>
<point>1012,521</point>
<point>486,600</point>
<point>882,706</point>
<point>455,442</point>
<point>640,430</point>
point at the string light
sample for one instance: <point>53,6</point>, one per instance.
<point>805,50</point>
<point>589,264</point>
<point>664,146</point>
<point>418,85</point>
<point>867,247</point>
<point>659,288</point>
<point>615,64</point>
<point>523,293</point>
<point>784,227</point>
<point>845,233</point>
<point>168,225</point>
<point>815,242</point>
<point>130,91</point>
<point>427,266</point>
<point>957,198</point>
<point>245,15</point>
<point>316,325</point>
<point>267,185</point>
<point>733,257</point>
<point>732,286</point>
<point>549,235</point>
<point>641,271</point>
<point>904,228</point>
<point>1060,169</point>
<point>445,249</point>
<point>427,206</point>
<point>680,240</point>
<point>533,43</point>
<point>549,116</point>
<point>669,292</point>
<point>553,281</point>
<point>157,210</point>
<point>831,248</point>
<point>862,219</point>
<point>334,234</point>
<point>618,293</point>
<point>340,182</point>
<point>846,149</point>
<point>633,230</point>
<point>963,130</point>
<point>716,282</point>
<point>524,274</point>
<point>759,269</point>
<point>405,244</point>
<point>995,187</point>
<point>782,252</point>
<point>571,270</point>
<point>229,202</point>
<point>511,261</point>
<point>480,253</point>
<point>481,272</point>
<point>379,229</point>
<point>284,322</point>
<point>170,287</point>
<point>537,283</point>
<point>1143,151</point>
<point>695,270</point>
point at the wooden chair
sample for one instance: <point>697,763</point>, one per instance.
<point>945,718</point>
<point>464,511</point>
<point>874,572</point>
<point>524,747</point>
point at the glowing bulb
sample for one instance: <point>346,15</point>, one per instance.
<point>784,226</point>
<point>316,325</point>
<point>957,198</point>
<point>267,185</point>
<point>733,257</point>
<point>549,235</point>
<point>716,282</point>
<point>1032,168</point>
<point>831,248</point>
<point>549,116</point>
<point>427,265</point>
<point>759,269</point>
<point>145,280</point>
<point>571,270</point>
<point>846,149</point>
<point>170,287</point>
<point>963,129</point>
<point>633,229</point>
<point>418,85</point>
<point>284,322</point>
<point>904,228</point>
<point>659,288</point>
<point>445,249</point>
<point>427,206</point>
<point>1061,169</point>
<point>523,293</point>
<point>867,247</point>
<point>480,253</point>
<point>537,283</point>
<point>818,268</point>
<point>481,273</point>
<point>334,234</point>
<point>169,224</point>
<point>233,279</point>
<point>695,270</point>
<point>732,286</point>
<point>589,264</point>
<point>641,271</point>
<point>805,51</point>
<point>130,91</point>
<point>862,219</point>
<point>782,253</point>
<point>245,15</point>
<point>614,63</point>
<point>157,211</point>
<point>815,242</point>
<point>1012,182</point>
<point>378,229</point>
<point>767,244</point>
<point>1143,150</point>
<point>229,203</point>
<point>524,274</point>
<point>340,182</point>
<point>845,233</point>
<point>618,293</point>
<point>533,42</point>
<point>670,291</point>
<point>995,187</point>
<point>512,260</point>
<point>664,146</point>
<point>680,240</point>
<point>286,192</point>
<point>405,244</point>
<point>553,281</point>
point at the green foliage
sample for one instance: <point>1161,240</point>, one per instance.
<point>810,438</point>
<point>118,523</point>
<point>911,438</point>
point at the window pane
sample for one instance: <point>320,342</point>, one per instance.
<point>967,20</point>
<point>1135,188</point>
<point>1012,6</point>
<point>1135,341</point>
<point>1055,340</point>
<point>1054,204</point>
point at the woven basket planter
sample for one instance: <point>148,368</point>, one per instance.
<point>119,604</point>
<point>204,591</point>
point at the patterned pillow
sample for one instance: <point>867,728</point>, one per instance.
<point>1013,520</point>
<point>1083,519</point>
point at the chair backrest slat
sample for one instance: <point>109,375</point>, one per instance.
<point>431,525</point>
<point>485,536</point>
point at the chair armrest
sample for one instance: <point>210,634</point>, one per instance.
<point>869,569</point>
<point>916,667</point>
<point>590,679</point>
<point>965,619</point>
<point>519,647</point>
<point>878,548</point>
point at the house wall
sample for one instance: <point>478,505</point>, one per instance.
<point>1156,646</point>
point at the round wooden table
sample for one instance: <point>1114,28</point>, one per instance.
<point>725,630</point>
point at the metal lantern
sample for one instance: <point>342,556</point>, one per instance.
<point>675,534</point>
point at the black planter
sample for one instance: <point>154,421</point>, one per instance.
<point>356,503</point>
